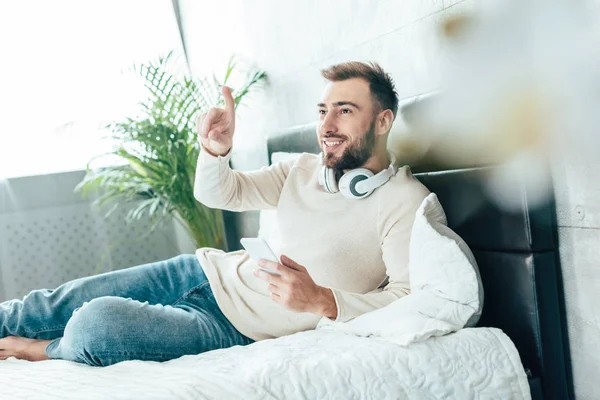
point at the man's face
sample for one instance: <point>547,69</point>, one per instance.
<point>346,129</point>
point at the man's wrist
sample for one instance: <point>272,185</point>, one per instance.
<point>327,304</point>
<point>215,154</point>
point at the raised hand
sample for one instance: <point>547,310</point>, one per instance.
<point>216,127</point>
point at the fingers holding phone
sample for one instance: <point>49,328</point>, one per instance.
<point>259,249</point>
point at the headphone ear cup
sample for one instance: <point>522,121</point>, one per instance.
<point>328,179</point>
<point>347,183</point>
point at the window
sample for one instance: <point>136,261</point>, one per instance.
<point>65,73</point>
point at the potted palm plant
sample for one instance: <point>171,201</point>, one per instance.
<point>159,149</point>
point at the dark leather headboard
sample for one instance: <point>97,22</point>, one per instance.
<point>517,254</point>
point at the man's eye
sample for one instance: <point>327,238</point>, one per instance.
<point>346,111</point>
<point>322,112</point>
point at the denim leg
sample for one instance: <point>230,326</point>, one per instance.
<point>109,330</point>
<point>43,314</point>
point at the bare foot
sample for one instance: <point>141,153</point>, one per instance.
<point>23,348</point>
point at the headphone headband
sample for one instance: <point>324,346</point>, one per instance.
<point>382,177</point>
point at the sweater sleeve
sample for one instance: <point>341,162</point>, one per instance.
<point>395,252</point>
<point>218,186</point>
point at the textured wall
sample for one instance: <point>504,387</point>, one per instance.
<point>577,187</point>
<point>293,40</point>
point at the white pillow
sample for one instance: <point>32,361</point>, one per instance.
<point>446,291</point>
<point>267,224</point>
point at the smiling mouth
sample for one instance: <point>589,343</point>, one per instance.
<point>331,145</point>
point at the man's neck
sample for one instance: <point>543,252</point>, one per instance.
<point>379,161</point>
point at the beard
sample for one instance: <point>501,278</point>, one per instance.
<point>354,156</point>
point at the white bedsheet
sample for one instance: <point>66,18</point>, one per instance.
<point>473,363</point>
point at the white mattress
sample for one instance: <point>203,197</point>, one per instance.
<point>473,363</point>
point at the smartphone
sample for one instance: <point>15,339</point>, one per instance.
<point>258,249</point>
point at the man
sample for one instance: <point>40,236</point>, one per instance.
<point>337,252</point>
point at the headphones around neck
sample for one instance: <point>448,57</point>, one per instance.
<point>357,183</point>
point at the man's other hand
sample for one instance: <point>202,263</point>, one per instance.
<point>294,289</point>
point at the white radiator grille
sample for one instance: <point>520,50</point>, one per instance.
<point>45,247</point>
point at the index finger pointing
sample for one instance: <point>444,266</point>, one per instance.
<point>229,102</point>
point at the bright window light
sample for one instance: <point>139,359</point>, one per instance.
<point>65,73</point>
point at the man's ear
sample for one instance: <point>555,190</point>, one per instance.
<point>385,119</point>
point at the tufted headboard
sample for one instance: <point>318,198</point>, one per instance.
<point>517,254</point>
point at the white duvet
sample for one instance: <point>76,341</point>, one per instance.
<point>474,363</point>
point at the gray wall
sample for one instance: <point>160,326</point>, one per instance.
<point>293,40</point>
<point>577,186</point>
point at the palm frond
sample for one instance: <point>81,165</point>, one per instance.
<point>160,149</point>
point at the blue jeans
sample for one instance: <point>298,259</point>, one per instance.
<point>155,312</point>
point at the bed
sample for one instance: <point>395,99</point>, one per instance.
<point>517,254</point>
<point>518,351</point>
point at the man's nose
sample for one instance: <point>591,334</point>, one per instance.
<point>328,124</point>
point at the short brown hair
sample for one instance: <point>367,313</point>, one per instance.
<point>380,82</point>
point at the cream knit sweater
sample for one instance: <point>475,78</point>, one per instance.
<point>350,246</point>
